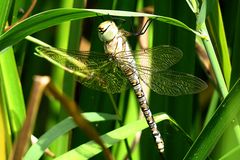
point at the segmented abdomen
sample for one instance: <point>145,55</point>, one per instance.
<point>132,74</point>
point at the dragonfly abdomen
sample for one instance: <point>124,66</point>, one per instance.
<point>133,78</point>
<point>148,115</point>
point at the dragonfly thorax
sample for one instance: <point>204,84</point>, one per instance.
<point>107,30</point>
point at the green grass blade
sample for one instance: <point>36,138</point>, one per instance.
<point>41,21</point>
<point>36,150</point>
<point>91,149</point>
<point>11,90</point>
<point>194,5</point>
<point>201,26</point>
<point>216,126</point>
<point>56,16</point>
<point>233,154</point>
<point>215,64</point>
<point>218,37</point>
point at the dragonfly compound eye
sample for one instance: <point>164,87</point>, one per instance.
<point>107,31</point>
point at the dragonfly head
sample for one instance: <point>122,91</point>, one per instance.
<point>107,30</point>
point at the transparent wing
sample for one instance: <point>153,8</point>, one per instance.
<point>172,83</point>
<point>106,79</point>
<point>93,70</point>
<point>98,72</point>
<point>155,73</point>
<point>157,58</point>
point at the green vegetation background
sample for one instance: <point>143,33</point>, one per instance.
<point>18,65</point>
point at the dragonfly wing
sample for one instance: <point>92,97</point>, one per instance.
<point>172,83</point>
<point>108,79</point>
<point>158,58</point>
<point>93,69</point>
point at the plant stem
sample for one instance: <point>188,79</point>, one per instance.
<point>214,61</point>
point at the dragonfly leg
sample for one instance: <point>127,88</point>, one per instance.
<point>144,28</point>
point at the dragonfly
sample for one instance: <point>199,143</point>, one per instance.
<point>120,67</point>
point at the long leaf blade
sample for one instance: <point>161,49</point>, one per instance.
<point>53,17</point>
<point>216,126</point>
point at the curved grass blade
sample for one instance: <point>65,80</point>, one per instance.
<point>41,21</point>
<point>53,17</point>
<point>90,149</point>
<point>37,149</point>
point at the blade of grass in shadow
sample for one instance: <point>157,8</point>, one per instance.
<point>235,46</point>
<point>37,150</point>
<point>216,126</point>
<point>56,16</point>
<point>182,105</point>
<point>176,147</point>
<point>158,103</point>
